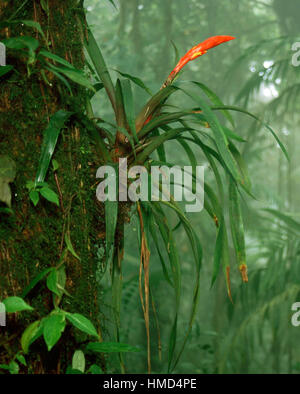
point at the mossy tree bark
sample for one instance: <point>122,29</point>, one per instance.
<point>33,237</point>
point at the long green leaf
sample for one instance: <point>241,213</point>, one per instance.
<point>56,58</point>
<point>82,323</point>
<point>245,179</point>
<point>166,118</point>
<point>94,134</point>
<point>197,251</point>
<point>238,109</point>
<point>111,217</point>
<point>288,220</point>
<point>36,280</point>
<point>110,347</point>
<point>60,77</point>
<point>153,105</point>
<point>74,75</point>
<point>237,226</point>
<point>51,134</point>
<point>158,141</point>
<point>129,106</point>
<point>215,100</point>
<point>100,67</point>
<point>220,138</point>
<point>135,80</point>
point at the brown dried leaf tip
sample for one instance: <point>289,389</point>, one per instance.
<point>228,283</point>
<point>216,220</point>
<point>243,270</point>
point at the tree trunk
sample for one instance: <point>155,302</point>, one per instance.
<point>33,238</point>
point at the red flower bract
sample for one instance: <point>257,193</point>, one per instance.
<point>197,51</point>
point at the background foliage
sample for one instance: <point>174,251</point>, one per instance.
<point>255,334</point>
<point>141,37</point>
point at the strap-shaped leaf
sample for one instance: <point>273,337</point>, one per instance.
<point>110,347</point>
<point>129,107</point>
<point>288,220</point>
<point>245,179</point>
<point>135,80</point>
<point>100,66</point>
<point>158,141</point>
<point>215,100</point>
<point>197,252</point>
<point>36,280</point>
<point>237,228</point>
<point>153,104</point>
<point>220,138</point>
<point>74,75</point>
<point>238,109</point>
<point>167,118</point>
<point>82,323</point>
<point>56,58</point>
<point>51,134</point>
<point>111,218</point>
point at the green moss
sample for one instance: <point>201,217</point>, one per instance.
<point>30,240</point>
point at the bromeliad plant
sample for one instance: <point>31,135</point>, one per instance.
<point>139,138</point>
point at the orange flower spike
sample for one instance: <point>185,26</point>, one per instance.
<point>197,51</point>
